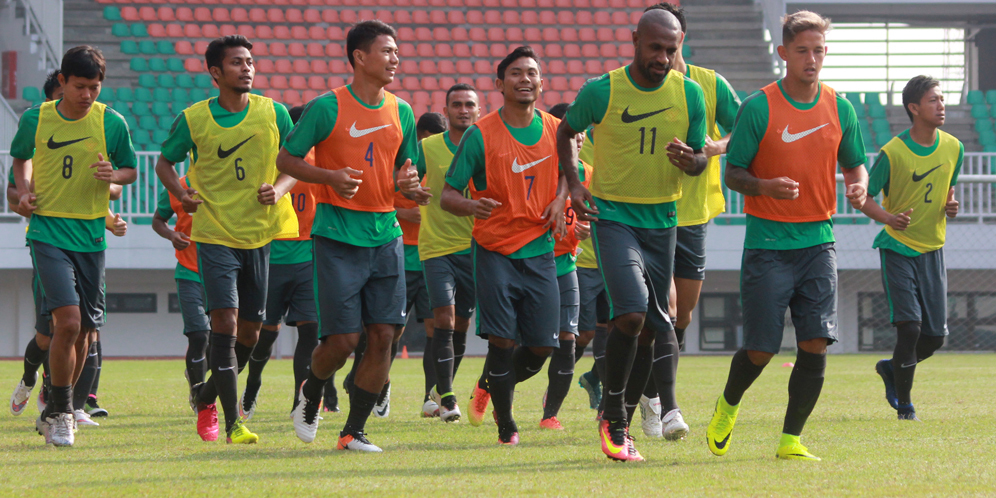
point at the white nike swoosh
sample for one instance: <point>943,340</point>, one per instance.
<point>444,360</point>
<point>519,168</point>
<point>353,132</point>
<point>497,375</point>
<point>561,372</point>
<point>792,137</point>
<point>198,360</point>
<point>617,393</point>
<point>907,366</point>
<point>225,368</point>
<point>534,371</point>
<point>662,357</point>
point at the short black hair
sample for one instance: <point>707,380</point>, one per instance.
<point>363,34</point>
<point>915,90</point>
<point>295,113</point>
<point>518,53</point>
<point>83,61</point>
<point>672,8</point>
<point>459,87</point>
<point>215,53</point>
<point>432,122</point>
<point>51,83</point>
<point>560,110</point>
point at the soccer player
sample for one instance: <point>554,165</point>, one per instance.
<point>518,199</point>
<point>240,204</point>
<point>783,156</point>
<point>361,135</point>
<point>70,151</point>
<point>916,173</point>
<point>430,123</point>
<point>444,247</point>
<point>649,128</point>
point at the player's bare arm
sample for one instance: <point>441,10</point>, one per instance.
<point>692,162</point>
<point>171,180</point>
<point>179,240</point>
<point>341,180</point>
<point>22,178</point>
<point>856,180</point>
<point>410,185</point>
<point>411,215</point>
<point>453,201</point>
<point>115,224</point>
<point>269,194</point>
<point>105,172</point>
<point>742,181</point>
<point>554,212</point>
<point>898,221</point>
<point>567,151</point>
<point>716,147</point>
<point>116,191</point>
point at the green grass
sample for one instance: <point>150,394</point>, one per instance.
<point>148,445</point>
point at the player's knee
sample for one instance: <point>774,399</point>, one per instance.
<point>584,338</point>
<point>501,342</point>
<point>630,324</point>
<point>445,317</point>
<point>541,352</point>
<point>567,336</point>
<point>760,358</point>
<point>43,341</point>
<point>814,346</point>
<point>460,324</point>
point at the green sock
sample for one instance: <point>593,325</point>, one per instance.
<point>788,440</point>
<point>726,407</point>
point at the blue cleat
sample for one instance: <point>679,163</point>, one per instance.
<point>593,387</point>
<point>884,369</point>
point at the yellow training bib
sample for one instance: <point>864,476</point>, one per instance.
<point>630,155</point>
<point>441,232</point>
<point>702,196</point>
<point>64,151</point>
<point>232,164</point>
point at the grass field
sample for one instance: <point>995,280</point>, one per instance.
<point>148,445</point>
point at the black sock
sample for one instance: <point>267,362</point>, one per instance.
<point>196,359</point>
<point>34,356</point>
<point>81,391</point>
<point>224,375</point>
<point>100,366</point>
<point>428,367</point>
<point>60,400</point>
<point>651,390</point>
<point>443,360</point>
<point>361,403</point>
<point>459,347</point>
<point>331,394</point>
<point>560,375</point>
<point>638,377</point>
<point>805,385</point>
<point>904,359</point>
<point>501,381</point>
<point>926,345</point>
<point>743,373</point>
<point>313,388</point>
<point>680,335</point>
<point>620,351</point>
<point>598,352</point>
<point>579,352</point>
<point>666,368</point>
<point>526,364</point>
<point>482,382</point>
<point>242,354</point>
<point>307,341</point>
<point>361,347</point>
<point>259,356</point>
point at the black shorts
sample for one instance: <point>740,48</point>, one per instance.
<point>190,294</point>
<point>917,290</point>
<point>417,295</point>
<point>690,252</point>
<point>235,278</point>
<point>70,278</point>
<point>291,293</point>
<point>42,316</point>
<point>450,281</point>
<point>594,306</point>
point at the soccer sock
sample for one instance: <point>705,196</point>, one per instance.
<point>307,341</point>
<point>459,347</point>
<point>926,345</point>
<point>560,375</point>
<point>666,368</point>
<point>242,354</point>
<point>680,335</point>
<point>443,360</point>
<point>620,351</point>
<point>196,359</point>
<point>904,359</point>
<point>501,381</point>
<point>482,382</point>
<point>394,351</point>
<point>100,366</point>
<point>805,385</point>
<point>82,388</point>
<point>34,356</point>
<point>526,364</point>
<point>651,390</point>
<point>361,347</point>
<point>61,400</point>
<point>224,375</point>
<point>428,367</point>
<point>598,352</point>
<point>361,403</point>
<point>638,377</point>
<point>743,373</point>
<point>259,356</point>
<point>313,387</point>
<point>579,351</point>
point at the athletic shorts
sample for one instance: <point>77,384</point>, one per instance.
<point>358,285</point>
<point>70,278</point>
<point>917,290</point>
<point>291,292</point>
<point>637,265</point>
<point>42,315</point>
<point>594,308</point>
<point>570,302</point>
<point>191,297</point>
<point>450,281</point>
<point>517,295</point>
<point>803,280</point>
<point>235,278</point>
<point>690,252</point>
<point>417,295</point>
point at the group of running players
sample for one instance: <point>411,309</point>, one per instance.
<point>341,217</point>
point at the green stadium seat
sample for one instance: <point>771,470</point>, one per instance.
<point>686,51</point>
<point>129,47</point>
<point>31,93</point>
<point>138,30</point>
<point>980,111</point>
<point>143,95</point>
<point>982,125</point>
<point>872,100</point>
<point>112,13</point>
<point>198,94</point>
<point>160,108</point>
<point>854,98</point>
<point>120,30</point>
<point>125,94</point>
<point>138,64</point>
<point>881,126</point>
<point>213,92</point>
<point>114,105</point>
<point>876,112</point>
<point>882,139</point>
<point>987,138</point>
<point>141,109</point>
<point>203,81</point>
<point>159,136</point>
<point>859,111</point>
<point>992,111</point>
<point>106,94</point>
<point>131,120</point>
<point>157,65</point>
<point>989,148</point>
<point>976,97</point>
<point>175,65</point>
<point>140,137</point>
<point>161,95</point>
<point>185,80</point>
<point>991,97</point>
<point>148,123</point>
<point>166,122</point>
<point>147,80</point>
<point>164,47</point>
<point>742,95</point>
<point>180,95</point>
<point>167,80</point>
<point>147,47</point>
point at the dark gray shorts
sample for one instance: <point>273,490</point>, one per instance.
<point>42,316</point>
<point>291,292</point>
<point>803,280</point>
<point>570,302</point>
<point>637,265</point>
<point>517,295</point>
<point>594,306</point>
<point>70,278</point>
<point>191,297</point>
<point>450,281</point>
<point>358,285</point>
<point>417,295</point>
<point>690,252</point>
<point>235,278</point>
<point>917,290</point>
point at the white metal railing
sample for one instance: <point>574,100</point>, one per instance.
<point>772,12</point>
<point>43,26</point>
<point>8,121</point>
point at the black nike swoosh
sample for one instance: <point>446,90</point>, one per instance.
<point>917,177</point>
<point>52,144</point>
<point>632,118</point>
<point>722,444</point>
<point>222,153</point>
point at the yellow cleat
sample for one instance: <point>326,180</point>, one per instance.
<point>721,427</point>
<point>791,449</point>
<point>241,435</point>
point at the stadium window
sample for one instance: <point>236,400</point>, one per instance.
<point>174,303</point>
<point>131,302</point>
<point>720,323</point>
<point>971,322</point>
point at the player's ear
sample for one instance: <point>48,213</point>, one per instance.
<point>783,52</point>
<point>499,85</point>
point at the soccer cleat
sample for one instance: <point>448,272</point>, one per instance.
<point>331,402</point>
<point>650,411</point>
<point>42,426</point>
<point>884,369</point>
<point>207,422</point>
<point>430,409</point>
<point>61,430</point>
<point>551,424</point>
<point>240,434</point>
<point>83,419</point>
<point>42,403</point>
<point>511,440</point>
<point>675,428</point>
<point>789,448</point>
<point>305,416</point>
<point>634,456</point>
<point>593,388</point>
<point>479,399</point>
<point>383,407</point>
<point>615,440</point>
<point>449,415</point>
<point>907,412</point>
<point>721,427</point>
<point>247,404</point>
<point>19,400</point>
<point>93,409</point>
<point>357,441</point>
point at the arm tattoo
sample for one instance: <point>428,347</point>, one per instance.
<point>740,180</point>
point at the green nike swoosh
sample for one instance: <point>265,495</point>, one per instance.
<point>917,177</point>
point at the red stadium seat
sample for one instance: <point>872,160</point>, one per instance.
<point>527,4</point>
<point>455,17</point>
<point>572,51</point>
<point>420,109</point>
<point>464,66</point>
<point>637,4</point>
<point>157,30</point>
<point>420,17</point>
<point>430,83</point>
<point>316,50</point>
<point>335,33</point>
<point>407,50</point>
<point>466,79</point>
<point>551,98</point>
<point>221,14</point>
<point>584,18</point>
<point>210,31</point>
<point>301,66</point>
<point>265,66</point>
<point>202,14</point>
<point>496,34</point>
<point>423,34</point>
<point>366,14</point>
<point>440,35</point>
<point>568,96</point>
<point>200,47</point>
<point>297,50</point>
<point>510,17</point>
<point>316,33</point>
<point>611,65</point>
<point>482,67</point>
<point>278,49</point>
<point>509,4</point>
<point>257,15</point>
<point>330,16</point>
<point>478,34</point>
<point>174,30</point>
<point>403,95</point>
<point>576,82</point>
<point>553,50</point>
<point>281,32</point>
<point>617,4</point>
<point>575,67</point>
<point>492,17</point>
<point>185,14</point>
<point>348,16</point>
<point>165,14</point>
<point>460,34</point>
<point>495,100</point>
<point>589,50</point>
<point>292,98</point>
<point>408,66</point>
<point>410,83</point>
<point>529,17</point>
<point>386,16</point>
<point>309,95</point>
<point>338,81</point>
<point>565,17</point>
<point>192,65</point>
<point>278,82</point>
<point>634,17</point>
<point>334,50</point>
<point>620,18</point>
<point>312,16</point>
<point>276,95</point>
<point>444,50</point>
<point>261,82</point>
<point>248,32</point>
<point>446,66</point>
<point>183,47</point>
<point>444,84</point>
<point>406,34</point>
<point>498,50</point>
<point>298,82</point>
<point>533,35</point>
<point>283,66</point>
<point>227,30</point>
<point>427,67</point>
<point>514,34</point>
<point>484,83</point>
<point>546,4</point>
<point>608,51</point>
<point>564,4</point>
<point>539,52</point>
<point>547,17</point>
<point>557,66</point>
<point>558,83</point>
<point>425,50</point>
<point>423,98</point>
<point>130,14</point>
<point>627,50</point>
<point>602,18</point>
<point>461,51</point>
<point>623,35</point>
<point>437,17</point>
<point>551,34</point>
<point>475,17</point>
<point>264,32</point>
<point>260,49</point>
<point>294,15</point>
<point>316,83</point>
<point>587,35</point>
<point>569,35</point>
<point>301,33</point>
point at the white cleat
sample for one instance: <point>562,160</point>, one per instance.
<point>650,410</point>
<point>41,425</point>
<point>83,419</point>
<point>247,414</point>
<point>675,427</point>
<point>383,407</point>
<point>357,442</point>
<point>305,416</point>
<point>430,409</point>
<point>19,400</point>
<point>61,429</point>
<point>447,415</point>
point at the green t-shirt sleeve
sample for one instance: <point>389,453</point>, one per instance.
<point>23,145</point>
<point>284,122</point>
<point>315,125</point>
<point>409,141</point>
<point>727,103</point>
<point>163,207</point>
<point>961,159</point>
<point>468,162</point>
<point>119,145</point>
<point>695,101</point>
<point>878,178</point>
<point>851,152</point>
<point>748,131</point>
<point>591,104</point>
<point>420,164</point>
<point>178,143</point>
